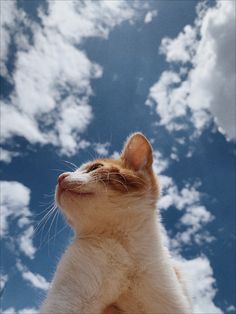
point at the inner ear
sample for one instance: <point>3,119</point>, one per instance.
<point>137,152</point>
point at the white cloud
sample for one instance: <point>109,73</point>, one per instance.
<point>16,123</point>
<point>9,310</point>
<point>160,164</point>
<point>115,155</point>
<point>15,198</point>
<point>213,78</point>
<point>171,102</point>
<point>182,48</point>
<point>36,280</point>
<point>231,309</point>
<point>7,24</point>
<point>149,16</point>
<point>102,149</point>
<point>52,77</point>
<point>6,155</point>
<point>194,217</point>
<point>78,20</point>
<point>205,54</point>
<point>25,241</point>
<point>171,196</point>
<point>193,222</point>
<point>200,282</point>
<point>75,116</point>
<point>27,310</point>
<point>3,281</point>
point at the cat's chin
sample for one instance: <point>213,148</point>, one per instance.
<point>70,193</point>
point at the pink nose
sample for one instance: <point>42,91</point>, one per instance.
<point>62,176</point>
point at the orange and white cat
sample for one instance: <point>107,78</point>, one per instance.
<point>117,262</point>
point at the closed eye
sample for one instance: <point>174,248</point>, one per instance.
<point>94,167</point>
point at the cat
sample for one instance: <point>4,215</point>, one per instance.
<point>117,262</point>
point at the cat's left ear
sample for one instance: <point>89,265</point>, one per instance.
<point>137,152</point>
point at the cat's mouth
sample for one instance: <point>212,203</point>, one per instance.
<point>74,191</point>
<point>79,193</point>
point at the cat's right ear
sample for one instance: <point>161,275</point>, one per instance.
<point>137,152</point>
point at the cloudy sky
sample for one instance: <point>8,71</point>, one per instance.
<point>77,77</point>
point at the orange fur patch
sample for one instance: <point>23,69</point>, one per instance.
<point>115,175</point>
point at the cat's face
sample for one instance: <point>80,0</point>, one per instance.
<point>104,188</point>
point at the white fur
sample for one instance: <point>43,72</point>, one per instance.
<point>135,273</point>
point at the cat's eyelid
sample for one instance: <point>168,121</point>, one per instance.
<point>94,167</point>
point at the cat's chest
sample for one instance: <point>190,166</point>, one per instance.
<point>140,298</point>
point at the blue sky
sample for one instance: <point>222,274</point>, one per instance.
<point>78,78</point>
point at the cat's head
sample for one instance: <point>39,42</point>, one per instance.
<point>103,190</point>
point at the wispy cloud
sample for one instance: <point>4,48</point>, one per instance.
<point>25,241</point>
<point>204,55</point>
<point>3,281</point>
<point>36,280</point>
<point>7,25</point>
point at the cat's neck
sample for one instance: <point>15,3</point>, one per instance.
<point>125,227</point>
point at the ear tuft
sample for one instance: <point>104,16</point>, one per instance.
<point>137,152</point>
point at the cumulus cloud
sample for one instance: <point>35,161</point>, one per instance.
<point>182,48</point>
<point>52,77</point>
<point>95,18</point>
<point>205,80</point>
<point>200,283</point>
<point>15,198</point>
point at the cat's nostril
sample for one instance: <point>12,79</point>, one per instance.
<point>62,176</point>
